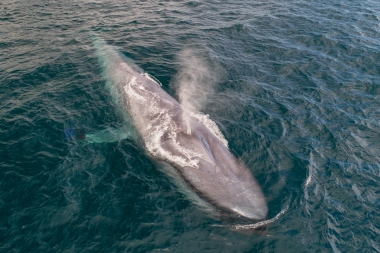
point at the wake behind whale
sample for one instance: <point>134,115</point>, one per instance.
<point>187,141</point>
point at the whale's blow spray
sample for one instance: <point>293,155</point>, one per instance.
<point>196,79</point>
<point>195,84</point>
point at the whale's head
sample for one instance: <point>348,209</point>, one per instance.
<point>221,179</point>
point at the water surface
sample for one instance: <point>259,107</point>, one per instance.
<point>292,85</point>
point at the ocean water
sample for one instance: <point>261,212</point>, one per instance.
<point>294,87</point>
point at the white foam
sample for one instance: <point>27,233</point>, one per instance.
<point>160,125</point>
<point>210,125</point>
<point>129,90</point>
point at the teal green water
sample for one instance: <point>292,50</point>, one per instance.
<point>292,85</point>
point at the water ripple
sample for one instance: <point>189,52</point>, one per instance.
<point>297,98</point>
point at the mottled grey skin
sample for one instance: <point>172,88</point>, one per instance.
<point>175,136</point>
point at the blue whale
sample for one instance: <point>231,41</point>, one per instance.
<point>189,142</point>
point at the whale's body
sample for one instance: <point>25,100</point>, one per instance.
<point>190,142</point>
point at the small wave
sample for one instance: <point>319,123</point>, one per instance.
<point>254,225</point>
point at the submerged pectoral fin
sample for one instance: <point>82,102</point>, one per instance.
<point>110,135</point>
